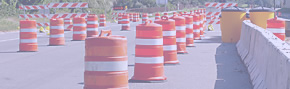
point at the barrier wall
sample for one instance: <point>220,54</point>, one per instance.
<point>287,28</point>
<point>267,58</point>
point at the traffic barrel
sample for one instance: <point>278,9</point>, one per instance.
<point>131,16</point>
<point>125,23</point>
<point>68,24</point>
<point>157,16</point>
<point>28,36</point>
<point>103,20</point>
<point>175,13</point>
<point>196,28</point>
<point>277,27</point>
<point>120,18</point>
<point>180,33</point>
<point>204,20</point>
<point>165,14</point>
<point>191,12</point>
<point>144,17</point>
<point>79,28</point>
<point>189,31</point>
<point>169,40</point>
<point>149,62</point>
<point>56,36</point>
<point>92,25</point>
<point>201,23</point>
<point>106,62</point>
<point>135,17</point>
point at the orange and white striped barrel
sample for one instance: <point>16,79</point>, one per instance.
<point>189,31</point>
<point>103,20</point>
<point>149,62</point>
<point>28,36</point>
<point>79,29</point>
<point>145,17</point>
<point>169,40</point>
<point>196,28</point>
<point>157,16</point>
<point>92,25</point>
<point>131,16</point>
<point>180,33</point>
<point>204,19</point>
<point>68,24</point>
<point>201,27</point>
<point>104,68</point>
<point>120,18</point>
<point>125,23</point>
<point>277,27</point>
<point>175,13</point>
<point>191,12</point>
<point>165,14</point>
<point>135,17</point>
<point>56,36</point>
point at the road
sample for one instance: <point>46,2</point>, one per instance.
<point>210,65</point>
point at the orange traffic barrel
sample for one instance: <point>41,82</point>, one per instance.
<point>189,31</point>
<point>28,36</point>
<point>103,20</point>
<point>106,62</point>
<point>169,40</point>
<point>79,28</point>
<point>125,23</point>
<point>131,16</point>
<point>92,25</point>
<point>120,18</point>
<point>180,33</point>
<point>165,14</point>
<point>277,27</point>
<point>149,62</point>
<point>135,17</point>
<point>196,27</point>
<point>56,36</point>
<point>68,24</point>
<point>157,16</point>
<point>204,19</point>
<point>144,17</point>
<point>201,23</point>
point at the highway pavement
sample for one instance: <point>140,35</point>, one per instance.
<point>210,65</point>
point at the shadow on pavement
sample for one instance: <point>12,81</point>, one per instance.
<point>231,72</point>
<point>210,39</point>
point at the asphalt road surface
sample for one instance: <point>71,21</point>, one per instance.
<point>210,65</point>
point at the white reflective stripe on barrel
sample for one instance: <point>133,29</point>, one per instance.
<point>196,30</point>
<point>28,40</point>
<point>125,24</point>
<point>169,47</point>
<point>139,41</point>
<point>149,60</point>
<point>28,30</point>
<point>189,26</point>
<point>189,35</point>
<point>92,29</point>
<point>102,18</point>
<point>67,20</point>
<point>145,18</point>
<point>56,27</point>
<point>169,33</point>
<point>102,22</point>
<point>106,65</point>
<point>83,25</point>
<point>180,27</point>
<point>79,32</point>
<point>196,23</point>
<point>276,30</point>
<point>56,36</point>
<point>180,39</point>
<point>126,20</point>
<point>92,22</point>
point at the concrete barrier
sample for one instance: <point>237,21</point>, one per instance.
<point>287,28</point>
<point>267,58</point>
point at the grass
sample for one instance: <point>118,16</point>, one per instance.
<point>9,24</point>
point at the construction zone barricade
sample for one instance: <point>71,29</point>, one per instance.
<point>149,62</point>
<point>157,16</point>
<point>56,36</point>
<point>145,17</point>
<point>79,29</point>
<point>106,62</point>
<point>28,36</point>
<point>92,25</point>
<point>277,27</point>
<point>103,20</point>
<point>180,33</point>
<point>169,40</point>
<point>125,23</point>
<point>120,18</point>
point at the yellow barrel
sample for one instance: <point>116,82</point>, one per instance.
<point>260,15</point>
<point>231,24</point>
